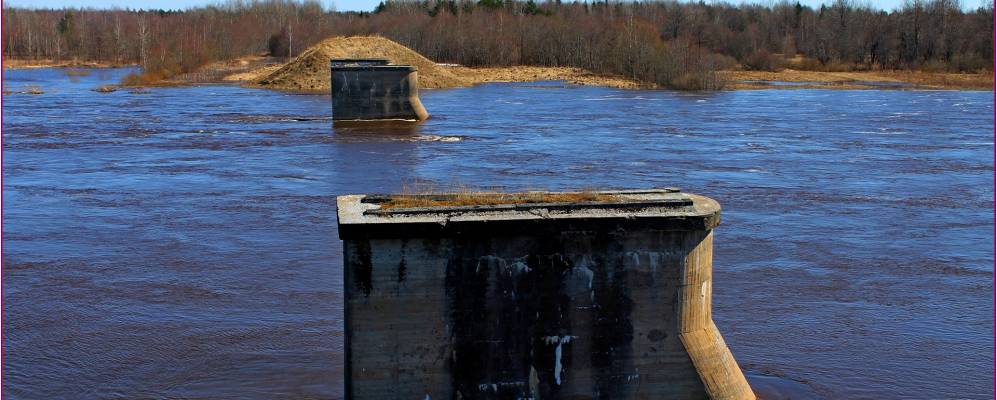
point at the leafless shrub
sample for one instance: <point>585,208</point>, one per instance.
<point>762,60</point>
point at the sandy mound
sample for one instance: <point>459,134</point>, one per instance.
<point>310,70</point>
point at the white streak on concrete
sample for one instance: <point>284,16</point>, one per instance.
<point>585,272</point>
<point>494,387</point>
<point>484,387</point>
<point>557,364</point>
<point>654,257</point>
<point>584,269</point>
<point>558,340</point>
<point>534,380</point>
<point>521,267</point>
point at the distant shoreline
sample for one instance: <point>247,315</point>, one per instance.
<point>885,79</point>
<point>755,80</point>
<point>736,80</point>
<point>786,79</point>
<point>15,63</point>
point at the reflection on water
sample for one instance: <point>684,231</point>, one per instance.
<point>182,242</point>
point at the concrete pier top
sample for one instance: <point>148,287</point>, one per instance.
<point>368,64</point>
<point>378,68</point>
<point>343,62</point>
<point>668,208</point>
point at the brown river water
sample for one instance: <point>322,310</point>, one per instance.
<point>182,242</point>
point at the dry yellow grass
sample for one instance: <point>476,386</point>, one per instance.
<point>220,71</point>
<point>522,73</point>
<point>858,79</point>
<point>491,198</point>
<point>242,65</point>
<point>942,80</point>
<point>252,75</point>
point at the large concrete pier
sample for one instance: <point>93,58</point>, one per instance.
<point>592,300</point>
<point>373,90</point>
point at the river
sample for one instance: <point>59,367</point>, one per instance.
<point>181,242</point>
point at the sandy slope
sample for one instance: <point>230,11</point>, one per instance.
<point>310,70</point>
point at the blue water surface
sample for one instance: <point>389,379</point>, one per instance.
<point>181,242</point>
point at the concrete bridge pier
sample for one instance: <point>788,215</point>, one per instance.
<point>373,90</point>
<point>606,299</point>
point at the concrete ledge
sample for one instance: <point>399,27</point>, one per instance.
<point>665,209</point>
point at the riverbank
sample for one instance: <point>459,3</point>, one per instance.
<point>746,80</point>
<point>526,73</point>
<point>12,63</point>
<point>460,76</point>
<point>890,79</point>
<point>235,70</point>
<point>251,70</point>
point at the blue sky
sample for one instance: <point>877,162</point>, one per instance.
<point>342,5</point>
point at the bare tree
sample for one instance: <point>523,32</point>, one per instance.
<point>143,40</point>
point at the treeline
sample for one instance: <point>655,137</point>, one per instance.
<point>934,34</point>
<point>667,42</point>
<point>173,41</point>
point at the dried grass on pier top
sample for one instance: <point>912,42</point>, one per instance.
<point>492,198</point>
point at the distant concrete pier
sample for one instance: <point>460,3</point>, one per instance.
<point>373,90</point>
<point>607,299</point>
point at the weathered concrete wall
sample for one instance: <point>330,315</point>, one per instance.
<point>370,90</point>
<point>608,307</point>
